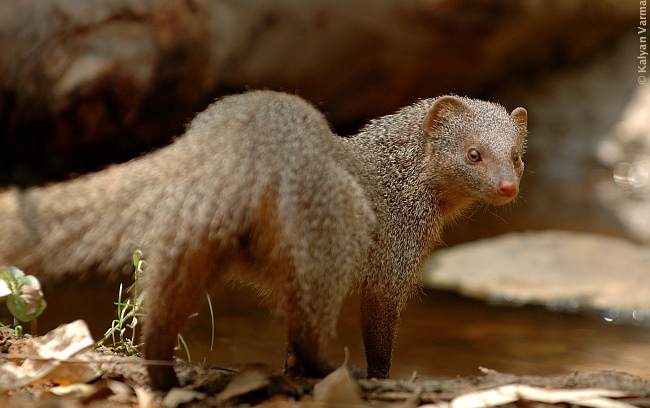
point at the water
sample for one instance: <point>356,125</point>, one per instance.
<point>441,335</point>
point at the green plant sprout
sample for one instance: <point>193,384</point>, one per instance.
<point>211,319</point>
<point>128,313</point>
<point>130,310</point>
<point>23,296</point>
<point>207,296</point>
<point>183,345</point>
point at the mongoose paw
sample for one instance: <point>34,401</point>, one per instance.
<point>163,378</point>
<point>290,365</point>
<point>293,368</point>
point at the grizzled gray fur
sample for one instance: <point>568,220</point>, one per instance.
<point>260,190</point>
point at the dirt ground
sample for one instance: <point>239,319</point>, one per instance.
<point>122,382</point>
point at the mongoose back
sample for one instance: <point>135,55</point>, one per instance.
<point>260,190</point>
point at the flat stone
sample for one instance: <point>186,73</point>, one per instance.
<point>559,269</point>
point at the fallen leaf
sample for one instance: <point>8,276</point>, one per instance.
<point>146,398</point>
<point>122,391</point>
<point>250,378</point>
<point>13,376</point>
<point>486,398</point>
<point>74,391</point>
<point>62,343</point>
<point>81,371</point>
<point>593,397</point>
<point>179,396</point>
<point>338,388</point>
<point>554,396</point>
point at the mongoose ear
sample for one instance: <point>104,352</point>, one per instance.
<point>442,109</point>
<point>520,117</point>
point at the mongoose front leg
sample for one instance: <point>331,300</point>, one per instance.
<point>379,321</point>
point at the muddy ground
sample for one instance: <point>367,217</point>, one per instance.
<point>122,382</point>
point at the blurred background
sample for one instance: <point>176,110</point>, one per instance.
<point>87,84</point>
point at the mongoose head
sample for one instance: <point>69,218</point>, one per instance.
<point>475,151</point>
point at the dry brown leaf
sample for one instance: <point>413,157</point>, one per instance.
<point>251,378</point>
<point>338,388</point>
<point>74,391</point>
<point>146,398</point>
<point>595,397</point>
<point>67,373</point>
<point>64,342</point>
<point>179,396</point>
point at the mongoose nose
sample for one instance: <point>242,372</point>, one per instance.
<point>507,188</point>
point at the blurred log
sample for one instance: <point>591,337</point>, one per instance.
<point>127,74</point>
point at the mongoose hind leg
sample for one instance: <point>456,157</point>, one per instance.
<point>160,346</point>
<point>311,315</point>
<point>173,295</point>
<point>305,360</point>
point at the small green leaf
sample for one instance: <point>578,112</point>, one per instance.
<point>28,280</point>
<point>26,307</point>
<point>25,298</point>
<point>10,272</point>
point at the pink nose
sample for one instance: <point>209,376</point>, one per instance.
<point>507,188</point>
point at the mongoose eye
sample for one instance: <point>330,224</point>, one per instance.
<point>516,159</point>
<point>473,155</point>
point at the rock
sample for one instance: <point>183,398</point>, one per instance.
<point>559,269</point>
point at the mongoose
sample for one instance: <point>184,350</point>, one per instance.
<point>259,189</point>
